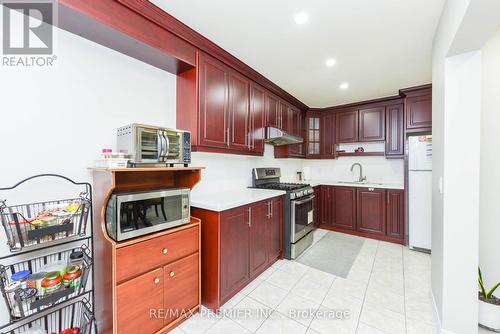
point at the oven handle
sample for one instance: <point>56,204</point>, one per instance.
<point>310,198</point>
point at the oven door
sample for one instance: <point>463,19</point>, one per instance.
<point>150,145</point>
<point>143,213</point>
<point>301,217</point>
<point>173,151</point>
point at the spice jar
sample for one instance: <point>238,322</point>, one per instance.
<point>51,282</point>
<point>72,276</point>
<point>76,258</point>
<point>21,277</point>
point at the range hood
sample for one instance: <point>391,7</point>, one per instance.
<point>277,137</point>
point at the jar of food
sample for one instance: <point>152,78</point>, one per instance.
<point>21,277</point>
<point>76,258</point>
<point>72,276</point>
<point>35,281</point>
<point>10,290</point>
<point>51,282</point>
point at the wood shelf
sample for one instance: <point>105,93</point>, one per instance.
<point>360,154</point>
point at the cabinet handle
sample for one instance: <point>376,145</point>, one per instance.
<point>249,217</point>
<point>268,209</point>
<point>165,251</point>
<point>228,137</point>
<point>157,280</point>
<point>172,274</point>
<point>272,209</point>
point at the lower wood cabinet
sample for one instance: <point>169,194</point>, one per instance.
<point>369,212</point>
<point>237,245</point>
<point>317,206</point>
<point>160,293</point>
<point>370,204</point>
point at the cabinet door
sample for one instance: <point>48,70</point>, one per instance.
<point>276,228</point>
<point>343,203</point>
<point>395,214</point>
<point>214,103</point>
<point>137,303</point>
<point>239,112</point>
<point>259,219</point>
<point>317,205</point>
<point>273,111</point>
<point>234,248</point>
<point>419,113</point>
<point>296,128</point>
<point>257,112</point>
<point>326,205</point>
<point>371,210</point>
<point>314,132</point>
<point>394,144</point>
<point>181,287</point>
<point>346,126</point>
<point>285,116</point>
<point>328,136</point>
<point>372,124</point>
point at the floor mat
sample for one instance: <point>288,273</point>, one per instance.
<point>334,253</point>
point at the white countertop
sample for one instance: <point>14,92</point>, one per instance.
<point>225,200</point>
<point>380,185</point>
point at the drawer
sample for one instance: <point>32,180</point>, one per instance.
<point>150,254</point>
<point>181,287</point>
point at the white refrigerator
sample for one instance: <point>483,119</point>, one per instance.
<point>420,192</point>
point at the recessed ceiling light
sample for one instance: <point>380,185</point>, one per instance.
<point>330,62</point>
<point>344,85</point>
<point>301,18</point>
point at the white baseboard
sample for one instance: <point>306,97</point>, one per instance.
<point>436,316</point>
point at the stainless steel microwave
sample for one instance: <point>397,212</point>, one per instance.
<point>151,145</point>
<point>129,215</point>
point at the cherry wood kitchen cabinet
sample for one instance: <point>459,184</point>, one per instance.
<point>343,207</point>
<point>273,111</point>
<point>235,250</point>
<point>237,245</point>
<point>317,205</point>
<point>395,137</point>
<point>257,117</point>
<point>372,124</point>
<point>395,214</point>
<point>370,203</point>
<point>328,135</point>
<point>239,112</point>
<point>346,126</point>
<point>418,108</point>
<point>326,206</point>
<point>314,131</point>
<point>214,103</point>
<point>142,280</point>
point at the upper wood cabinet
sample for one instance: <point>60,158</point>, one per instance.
<point>394,143</point>
<point>346,126</point>
<point>328,135</point>
<point>214,103</point>
<point>314,131</point>
<point>285,114</point>
<point>257,115</point>
<point>418,104</point>
<point>372,124</point>
<point>239,112</point>
<point>273,111</point>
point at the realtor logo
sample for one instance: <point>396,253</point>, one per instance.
<point>27,35</point>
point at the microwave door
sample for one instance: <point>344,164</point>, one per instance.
<point>174,145</point>
<point>149,145</point>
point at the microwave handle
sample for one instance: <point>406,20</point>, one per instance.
<point>160,145</point>
<point>167,145</point>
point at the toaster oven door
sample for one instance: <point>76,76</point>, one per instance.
<point>150,145</point>
<point>173,146</point>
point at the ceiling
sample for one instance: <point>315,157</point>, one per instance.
<point>379,46</point>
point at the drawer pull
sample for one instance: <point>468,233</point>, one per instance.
<point>165,251</point>
<point>157,280</point>
<point>172,274</point>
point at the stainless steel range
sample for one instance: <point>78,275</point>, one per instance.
<point>299,210</point>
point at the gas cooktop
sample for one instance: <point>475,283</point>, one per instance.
<point>283,186</point>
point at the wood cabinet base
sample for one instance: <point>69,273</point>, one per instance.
<point>363,234</point>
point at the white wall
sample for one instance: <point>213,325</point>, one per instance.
<point>376,169</point>
<point>489,228</point>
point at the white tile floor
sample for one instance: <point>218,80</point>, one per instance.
<point>387,291</point>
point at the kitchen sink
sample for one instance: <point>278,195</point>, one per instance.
<point>362,182</point>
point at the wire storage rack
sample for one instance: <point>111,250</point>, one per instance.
<point>47,280</point>
<point>73,318</point>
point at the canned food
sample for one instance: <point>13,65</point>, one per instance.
<point>72,277</point>
<point>21,277</point>
<point>51,282</point>
<point>35,281</point>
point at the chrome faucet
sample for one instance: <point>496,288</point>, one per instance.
<point>361,177</point>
